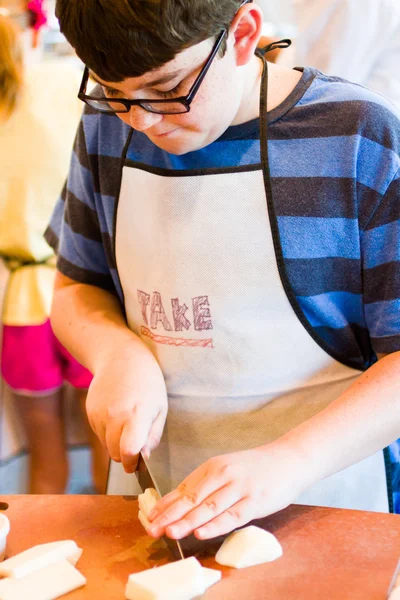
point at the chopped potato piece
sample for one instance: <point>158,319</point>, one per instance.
<point>211,576</point>
<point>4,531</point>
<point>181,580</point>
<point>39,557</point>
<point>395,595</point>
<point>48,583</point>
<point>147,502</point>
<point>143,520</point>
<point>247,547</point>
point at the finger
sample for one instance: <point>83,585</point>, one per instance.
<point>102,435</point>
<point>95,425</point>
<point>131,463</point>
<point>130,446</point>
<point>155,434</point>
<point>195,488</point>
<point>92,423</point>
<point>113,436</point>
<point>99,430</point>
<point>235,516</point>
<point>212,507</point>
<point>179,503</point>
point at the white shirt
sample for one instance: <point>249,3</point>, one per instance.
<point>358,40</point>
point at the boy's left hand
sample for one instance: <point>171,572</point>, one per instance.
<point>228,491</point>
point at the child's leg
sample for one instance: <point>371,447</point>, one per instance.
<point>100,457</point>
<point>30,368</point>
<point>80,378</point>
<point>42,419</point>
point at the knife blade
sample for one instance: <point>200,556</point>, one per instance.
<point>394,582</point>
<point>146,480</point>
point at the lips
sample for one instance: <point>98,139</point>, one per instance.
<point>165,133</point>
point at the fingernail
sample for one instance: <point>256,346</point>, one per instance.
<point>173,533</point>
<point>201,534</point>
<point>152,515</point>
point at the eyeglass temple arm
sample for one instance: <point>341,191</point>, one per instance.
<point>82,89</point>
<point>199,81</point>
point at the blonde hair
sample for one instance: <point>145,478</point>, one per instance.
<point>11,67</point>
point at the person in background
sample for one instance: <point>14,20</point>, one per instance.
<point>38,117</point>
<point>358,40</point>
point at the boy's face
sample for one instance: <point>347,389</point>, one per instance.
<point>215,107</point>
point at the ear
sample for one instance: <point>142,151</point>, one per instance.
<point>245,31</point>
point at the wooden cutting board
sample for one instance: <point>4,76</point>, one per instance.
<point>328,554</point>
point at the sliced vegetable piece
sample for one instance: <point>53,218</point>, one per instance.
<point>395,595</point>
<point>143,520</point>
<point>211,576</point>
<point>147,501</point>
<point>181,580</point>
<point>247,547</point>
<point>4,531</point>
<point>38,557</point>
<point>48,583</point>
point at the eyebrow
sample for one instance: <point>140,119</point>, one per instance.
<point>157,81</point>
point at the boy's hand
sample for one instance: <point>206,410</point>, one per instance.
<point>228,491</point>
<point>127,405</point>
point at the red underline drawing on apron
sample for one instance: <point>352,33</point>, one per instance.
<point>169,341</point>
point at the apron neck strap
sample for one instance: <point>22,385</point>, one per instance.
<point>274,46</point>
<point>264,127</point>
<point>264,157</point>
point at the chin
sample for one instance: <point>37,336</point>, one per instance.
<point>182,146</point>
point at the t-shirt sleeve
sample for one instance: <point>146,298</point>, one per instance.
<point>380,250</point>
<point>74,230</point>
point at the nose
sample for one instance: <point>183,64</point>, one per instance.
<point>141,119</point>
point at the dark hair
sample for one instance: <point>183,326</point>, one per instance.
<point>127,38</point>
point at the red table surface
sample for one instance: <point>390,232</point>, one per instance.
<point>328,553</point>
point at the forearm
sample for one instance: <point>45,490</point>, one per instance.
<point>90,323</point>
<point>361,421</point>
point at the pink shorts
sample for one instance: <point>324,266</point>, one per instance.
<point>33,361</point>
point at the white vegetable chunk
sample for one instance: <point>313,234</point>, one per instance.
<point>247,547</point>
<point>4,531</point>
<point>395,595</point>
<point>39,557</point>
<point>143,520</point>
<point>181,580</point>
<point>147,502</point>
<point>211,576</point>
<point>45,584</point>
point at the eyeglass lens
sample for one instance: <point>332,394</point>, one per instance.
<point>154,107</point>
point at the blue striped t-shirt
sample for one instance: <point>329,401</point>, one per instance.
<point>335,172</point>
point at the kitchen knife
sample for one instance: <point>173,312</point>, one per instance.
<point>146,480</point>
<point>395,580</point>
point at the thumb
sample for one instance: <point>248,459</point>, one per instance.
<point>131,440</point>
<point>155,433</point>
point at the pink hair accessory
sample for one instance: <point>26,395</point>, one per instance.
<point>39,16</point>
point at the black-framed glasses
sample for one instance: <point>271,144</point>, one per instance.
<point>170,106</point>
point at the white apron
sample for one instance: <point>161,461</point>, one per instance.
<point>197,265</point>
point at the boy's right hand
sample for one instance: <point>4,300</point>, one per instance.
<point>127,404</point>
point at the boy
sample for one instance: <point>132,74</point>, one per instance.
<point>243,286</point>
